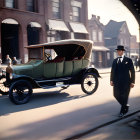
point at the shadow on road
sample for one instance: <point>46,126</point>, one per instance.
<point>43,129</point>
<point>37,100</point>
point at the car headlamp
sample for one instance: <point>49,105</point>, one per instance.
<point>11,76</point>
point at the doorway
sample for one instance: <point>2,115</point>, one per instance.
<point>9,40</point>
<point>33,35</point>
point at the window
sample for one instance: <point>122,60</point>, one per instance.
<point>76,14</point>
<point>115,54</point>
<point>100,57</point>
<point>121,41</point>
<point>10,3</point>
<point>108,55</point>
<point>94,35</point>
<point>93,58</point>
<point>56,9</point>
<point>100,36</point>
<point>58,36</point>
<point>32,5</point>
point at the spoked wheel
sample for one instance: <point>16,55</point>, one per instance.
<point>3,89</point>
<point>20,92</point>
<point>89,83</point>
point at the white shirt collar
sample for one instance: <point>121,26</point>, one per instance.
<point>121,58</point>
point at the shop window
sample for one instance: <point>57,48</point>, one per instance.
<point>58,36</point>
<point>56,9</point>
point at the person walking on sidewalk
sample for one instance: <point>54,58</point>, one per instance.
<point>122,78</point>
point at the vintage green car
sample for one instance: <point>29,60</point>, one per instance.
<point>56,64</point>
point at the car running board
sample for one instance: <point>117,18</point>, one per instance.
<point>48,87</point>
<point>54,80</point>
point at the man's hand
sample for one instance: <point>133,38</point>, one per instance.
<point>132,85</point>
<point>111,83</point>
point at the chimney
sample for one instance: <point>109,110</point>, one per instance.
<point>93,16</point>
<point>98,17</point>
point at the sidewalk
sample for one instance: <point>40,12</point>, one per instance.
<point>108,70</point>
<point>104,70</point>
<point>115,129</point>
<point>121,130</point>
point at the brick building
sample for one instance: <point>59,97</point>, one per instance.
<point>26,22</point>
<point>100,52</point>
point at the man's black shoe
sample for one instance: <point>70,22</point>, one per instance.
<point>121,114</point>
<point>126,109</point>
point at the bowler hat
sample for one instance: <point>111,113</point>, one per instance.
<point>120,47</point>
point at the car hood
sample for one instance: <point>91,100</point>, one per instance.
<point>25,69</point>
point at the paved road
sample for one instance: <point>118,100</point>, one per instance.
<point>56,115</point>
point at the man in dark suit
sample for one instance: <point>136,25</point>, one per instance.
<point>122,79</point>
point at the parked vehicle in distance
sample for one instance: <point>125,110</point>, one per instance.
<point>56,64</point>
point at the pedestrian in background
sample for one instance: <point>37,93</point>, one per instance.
<point>8,59</point>
<point>136,62</point>
<point>122,78</point>
<point>139,64</point>
<point>15,62</point>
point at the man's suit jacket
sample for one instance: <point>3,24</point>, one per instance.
<point>127,74</point>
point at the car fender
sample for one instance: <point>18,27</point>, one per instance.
<point>91,70</point>
<point>24,77</point>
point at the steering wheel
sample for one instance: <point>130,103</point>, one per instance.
<point>47,57</point>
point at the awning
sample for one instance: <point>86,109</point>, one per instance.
<point>78,28</point>
<point>58,25</point>
<point>35,24</point>
<point>100,48</point>
<point>9,21</point>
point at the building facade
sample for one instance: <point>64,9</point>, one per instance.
<point>117,33</point>
<point>99,52</point>
<point>134,48</point>
<point>28,22</point>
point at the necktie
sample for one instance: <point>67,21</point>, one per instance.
<point>119,60</point>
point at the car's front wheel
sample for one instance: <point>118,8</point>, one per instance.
<point>89,83</point>
<point>20,92</point>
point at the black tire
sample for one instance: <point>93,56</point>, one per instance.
<point>20,92</point>
<point>89,83</point>
<point>3,89</point>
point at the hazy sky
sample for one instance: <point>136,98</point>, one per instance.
<point>115,10</point>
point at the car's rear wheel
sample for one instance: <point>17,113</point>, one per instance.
<point>3,89</point>
<point>89,83</point>
<point>20,92</point>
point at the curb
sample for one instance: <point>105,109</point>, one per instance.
<point>100,126</point>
